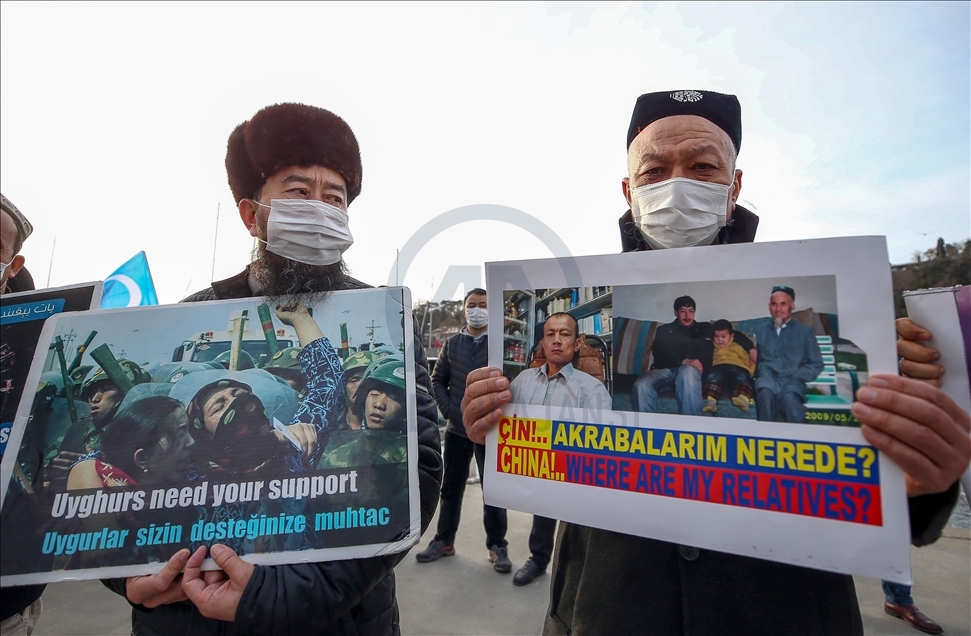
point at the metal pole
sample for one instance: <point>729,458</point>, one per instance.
<point>51,266</point>
<point>215,238</point>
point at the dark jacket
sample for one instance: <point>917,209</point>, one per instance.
<point>355,596</point>
<point>610,583</point>
<point>16,599</point>
<point>460,355</point>
<point>673,342</point>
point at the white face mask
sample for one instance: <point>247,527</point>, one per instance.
<point>680,212</point>
<point>307,231</point>
<point>478,317</point>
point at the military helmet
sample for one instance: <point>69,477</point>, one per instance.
<point>288,359</point>
<point>386,374</point>
<point>134,372</point>
<point>244,362</point>
<point>358,360</point>
<point>172,372</point>
<point>80,373</point>
<point>55,380</point>
<point>389,370</point>
<point>385,350</point>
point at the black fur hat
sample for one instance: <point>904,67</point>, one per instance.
<point>291,135</point>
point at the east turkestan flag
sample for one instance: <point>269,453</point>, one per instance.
<point>130,285</point>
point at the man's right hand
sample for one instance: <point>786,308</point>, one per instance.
<point>161,588</point>
<point>486,390</point>
<point>916,360</point>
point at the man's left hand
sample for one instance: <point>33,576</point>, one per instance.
<point>695,363</point>
<point>917,426</point>
<point>212,593</point>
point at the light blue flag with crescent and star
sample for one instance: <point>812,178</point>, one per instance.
<point>130,285</point>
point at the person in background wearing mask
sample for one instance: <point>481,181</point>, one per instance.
<point>293,170</point>
<point>463,352</point>
<point>682,188</point>
<point>20,607</point>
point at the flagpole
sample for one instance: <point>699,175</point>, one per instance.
<point>51,266</point>
<point>215,238</point>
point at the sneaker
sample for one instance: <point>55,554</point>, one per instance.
<point>528,573</point>
<point>711,406</point>
<point>499,556</point>
<point>741,402</point>
<point>435,550</point>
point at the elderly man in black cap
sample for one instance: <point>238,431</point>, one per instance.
<point>293,170</point>
<point>682,190</point>
<point>789,357</point>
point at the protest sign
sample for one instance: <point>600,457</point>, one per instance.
<point>686,445</point>
<point>221,422</point>
<point>946,313</point>
<point>22,317</point>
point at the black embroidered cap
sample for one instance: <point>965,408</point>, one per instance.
<point>722,110</point>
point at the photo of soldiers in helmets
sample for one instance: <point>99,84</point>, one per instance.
<point>380,399</point>
<point>354,367</point>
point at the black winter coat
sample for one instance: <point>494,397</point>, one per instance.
<point>611,583</point>
<point>356,596</point>
<point>460,355</point>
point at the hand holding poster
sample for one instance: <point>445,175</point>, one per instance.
<point>286,433</point>
<point>690,409</point>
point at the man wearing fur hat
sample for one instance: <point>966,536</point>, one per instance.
<point>293,170</point>
<point>682,189</point>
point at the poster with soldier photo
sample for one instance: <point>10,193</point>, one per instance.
<point>285,429</point>
<point>702,396</point>
<point>22,317</point>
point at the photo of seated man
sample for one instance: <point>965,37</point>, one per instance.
<point>731,370</point>
<point>789,357</point>
<point>682,352</point>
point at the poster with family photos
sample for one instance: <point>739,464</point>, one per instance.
<point>702,396</point>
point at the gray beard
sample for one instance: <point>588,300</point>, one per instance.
<point>778,322</point>
<point>291,282</point>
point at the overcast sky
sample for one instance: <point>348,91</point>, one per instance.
<point>114,119</point>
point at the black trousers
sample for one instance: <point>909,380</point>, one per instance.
<point>459,451</point>
<point>541,538</point>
